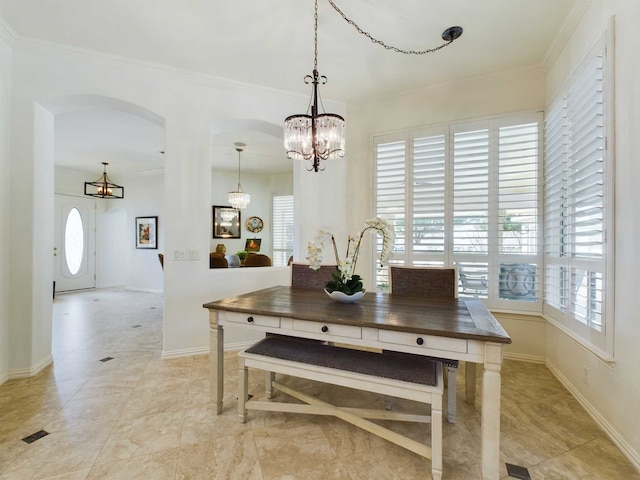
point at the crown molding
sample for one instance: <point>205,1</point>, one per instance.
<point>6,33</point>
<point>568,27</point>
<point>152,69</point>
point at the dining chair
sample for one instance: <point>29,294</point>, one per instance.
<point>217,261</point>
<point>432,282</point>
<point>304,277</point>
<point>257,260</point>
<point>161,258</point>
<point>233,260</point>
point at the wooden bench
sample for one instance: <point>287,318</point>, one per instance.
<point>402,375</point>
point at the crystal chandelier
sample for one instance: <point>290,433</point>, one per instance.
<point>319,136</point>
<point>238,198</point>
<point>103,187</point>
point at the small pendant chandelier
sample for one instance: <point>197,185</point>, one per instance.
<point>238,198</point>
<point>103,187</point>
<point>319,136</point>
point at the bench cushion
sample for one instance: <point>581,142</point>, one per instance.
<point>405,367</point>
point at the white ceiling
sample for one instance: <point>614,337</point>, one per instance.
<point>270,43</point>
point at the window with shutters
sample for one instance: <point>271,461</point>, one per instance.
<point>282,229</point>
<point>577,201</point>
<point>467,195</point>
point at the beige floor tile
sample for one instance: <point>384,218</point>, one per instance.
<point>290,447</point>
<point>156,466</point>
<point>59,453</point>
<point>132,437</point>
<point>228,458</point>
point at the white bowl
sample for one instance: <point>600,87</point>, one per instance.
<point>343,297</point>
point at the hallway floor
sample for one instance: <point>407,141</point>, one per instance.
<point>114,409</point>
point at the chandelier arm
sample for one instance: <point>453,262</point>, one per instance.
<point>450,35</point>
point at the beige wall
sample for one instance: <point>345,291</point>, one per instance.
<point>613,389</point>
<point>5,91</point>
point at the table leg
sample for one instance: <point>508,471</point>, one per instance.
<point>491,412</point>
<point>216,362</point>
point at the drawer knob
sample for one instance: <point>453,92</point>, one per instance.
<point>249,319</point>
<point>419,341</point>
<point>325,329</point>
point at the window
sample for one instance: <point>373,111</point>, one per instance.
<point>282,229</point>
<point>73,241</point>
<point>578,199</point>
<point>467,195</point>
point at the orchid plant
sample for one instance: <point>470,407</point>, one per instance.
<point>344,279</point>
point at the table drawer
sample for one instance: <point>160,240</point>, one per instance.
<point>328,329</point>
<point>423,341</point>
<point>249,319</point>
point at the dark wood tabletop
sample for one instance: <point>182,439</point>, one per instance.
<point>456,318</point>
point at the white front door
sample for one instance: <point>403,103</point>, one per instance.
<point>74,244</point>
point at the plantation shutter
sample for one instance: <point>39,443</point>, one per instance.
<point>390,198</point>
<point>428,198</point>
<point>576,203</point>
<point>471,191</point>
<point>282,229</point>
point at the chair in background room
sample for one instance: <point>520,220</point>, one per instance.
<point>233,260</point>
<point>304,277</point>
<point>161,258</point>
<point>257,260</point>
<point>217,261</point>
<point>432,282</point>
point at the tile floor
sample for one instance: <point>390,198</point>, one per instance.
<point>137,416</point>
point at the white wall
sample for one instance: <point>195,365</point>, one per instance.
<point>613,391</point>
<point>5,94</point>
<point>143,198</point>
<point>190,106</point>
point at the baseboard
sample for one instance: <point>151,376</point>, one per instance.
<point>518,357</point>
<point>144,290</point>
<point>187,352</point>
<point>4,378</point>
<point>621,443</point>
<point>33,371</point>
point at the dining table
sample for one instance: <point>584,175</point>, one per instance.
<point>459,329</point>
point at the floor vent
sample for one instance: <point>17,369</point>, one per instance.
<point>35,436</point>
<point>136,326</point>
<point>517,471</point>
<point>106,359</point>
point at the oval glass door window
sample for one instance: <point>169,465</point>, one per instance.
<point>73,241</point>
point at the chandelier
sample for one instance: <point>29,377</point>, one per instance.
<point>238,198</point>
<point>103,187</point>
<point>317,136</point>
<point>321,136</point>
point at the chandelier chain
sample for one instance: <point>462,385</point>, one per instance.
<point>315,38</point>
<point>373,39</point>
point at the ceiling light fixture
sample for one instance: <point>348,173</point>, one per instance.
<point>103,187</point>
<point>321,136</point>
<point>238,198</point>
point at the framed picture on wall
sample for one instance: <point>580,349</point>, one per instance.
<point>252,244</point>
<point>147,232</point>
<point>226,222</point>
